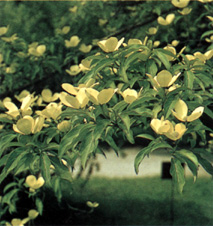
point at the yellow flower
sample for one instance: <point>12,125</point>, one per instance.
<point>102,22</point>
<point>73,9</point>
<point>24,110</point>
<point>176,132</point>
<point>10,39</point>
<point>181,111</point>
<point>47,95</point>
<point>169,19</point>
<point>172,50</point>
<point>165,127</point>
<point>110,45</point>
<point>85,65</point>
<point>52,110</point>
<point>174,43</point>
<point>163,79</point>
<point>73,42</point>
<point>209,39</point>
<point>180,3</point>
<point>130,95</point>
<point>160,126</point>
<point>36,50</point>
<point>34,183</point>
<point>84,48</point>
<point>92,204</point>
<point>80,100</point>
<point>203,57</point>
<point>22,95</point>
<point>156,44</point>
<point>65,30</point>
<point>152,30</point>
<point>210,18</point>
<point>185,11</point>
<point>64,126</point>
<point>3,30</point>
<point>102,97</point>
<point>17,222</point>
<point>28,125</point>
<point>74,70</point>
<point>6,99</point>
<point>205,1</point>
<point>134,41</point>
<point>32,214</point>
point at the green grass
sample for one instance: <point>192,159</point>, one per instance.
<point>143,201</point>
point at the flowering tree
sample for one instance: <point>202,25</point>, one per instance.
<point>128,89</point>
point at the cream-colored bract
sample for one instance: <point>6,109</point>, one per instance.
<point>34,183</point>
<point>130,95</point>
<point>180,3</point>
<point>165,127</point>
<point>47,95</point>
<point>181,112</point>
<point>73,42</point>
<point>163,79</point>
<point>28,125</point>
<point>102,97</point>
<point>168,20</point>
<point>110,45</point>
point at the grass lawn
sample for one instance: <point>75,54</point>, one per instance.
<point>142,201</point>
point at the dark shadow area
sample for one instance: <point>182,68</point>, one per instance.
<point>129,202</point>
<point>124,212</point>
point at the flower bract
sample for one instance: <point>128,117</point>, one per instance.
<point>167,21</point>
<point>181,111</point>
<point>34,183</point>
<point>110,45</point>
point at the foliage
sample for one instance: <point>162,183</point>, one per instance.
<point>123,91</point>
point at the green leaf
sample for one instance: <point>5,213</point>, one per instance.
<point>12,161</point>
<point>209,112</point>
<point>146,136</point>
<point>169,105</point>
<point>205,164</point>
<point>56,182</point>
<point>112,143</point>
<point>207,33</point>
<point>8,186</point>
<point>60,169</point>
<point>151,67</point>
<point>125,126</point>
<point>164,146</point>
<point>167,52</point>
<point>87,147</point>
<point>8,196</point>
<point>5,141</point>
<point>140,156</point>
<point>90,142</point>
<point>71,139</point>
<point>177,172</point>
<point>189,79</point>
<point>141,102</point>
<point>24,164</point>
<point>45,167</point>
<point>126,120</point>
<point>120,106</point>
<point>190,159</point>
<point>39,205</point>
<point>162,57</point>
<point>98,67</point>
